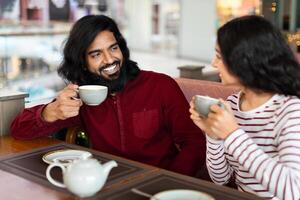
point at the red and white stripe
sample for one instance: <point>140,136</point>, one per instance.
<point>264,154</point>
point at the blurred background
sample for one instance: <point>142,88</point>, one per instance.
<point>175,37</point>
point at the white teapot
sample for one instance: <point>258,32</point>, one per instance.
<point>84,177</point>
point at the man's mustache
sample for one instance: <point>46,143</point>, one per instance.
<point>117,62</point>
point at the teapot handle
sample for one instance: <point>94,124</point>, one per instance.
<point>49,177</point>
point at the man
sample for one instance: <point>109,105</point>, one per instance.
<point>145,116</point>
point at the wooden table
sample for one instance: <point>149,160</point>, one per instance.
<point>13,186</point>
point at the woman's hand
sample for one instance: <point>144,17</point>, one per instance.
<point>220,122</point>
<point>200,120</point>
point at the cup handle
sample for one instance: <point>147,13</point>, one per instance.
<point>49,177</point>
<point>221,105</point>
<point>76,98</point>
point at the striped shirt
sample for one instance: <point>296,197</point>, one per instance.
<point>263,155</point>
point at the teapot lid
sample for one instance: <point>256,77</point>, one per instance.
<point>86,160</point>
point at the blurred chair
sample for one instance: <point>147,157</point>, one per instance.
<point>192,87</point>
<point>73,135</point>
<point>76,135</point>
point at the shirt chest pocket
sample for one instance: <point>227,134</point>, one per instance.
<point>146,123</point>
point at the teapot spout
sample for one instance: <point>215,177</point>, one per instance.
<point>108,166</point>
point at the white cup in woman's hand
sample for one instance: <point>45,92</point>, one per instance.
<point>203,104</point>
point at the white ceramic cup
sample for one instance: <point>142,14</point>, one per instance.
<point>92,95</point>
<point>203,104</point>
<point>181,194</point>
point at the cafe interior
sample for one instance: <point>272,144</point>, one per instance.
<point>173,37</point>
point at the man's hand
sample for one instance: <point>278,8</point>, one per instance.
<point>65,106</point>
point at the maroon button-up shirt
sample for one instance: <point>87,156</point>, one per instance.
<point>147,122</point>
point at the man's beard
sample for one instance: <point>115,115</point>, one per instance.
<point>114,85</point>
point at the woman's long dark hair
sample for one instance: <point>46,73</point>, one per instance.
<point>257,53</point>
<point>73,67</point>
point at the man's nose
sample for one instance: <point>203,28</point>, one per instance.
<point>108,59</point>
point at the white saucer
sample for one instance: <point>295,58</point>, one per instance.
<point>181,194</point>
<point>65,156</point>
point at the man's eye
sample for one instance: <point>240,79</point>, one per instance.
<point>114,48</point>
<point>95,55</point>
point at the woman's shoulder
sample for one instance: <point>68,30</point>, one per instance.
<point>287,101</point>
<point>285,106</point>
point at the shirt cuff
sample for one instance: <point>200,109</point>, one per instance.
<point>38,115</point>
<point>213,141</point>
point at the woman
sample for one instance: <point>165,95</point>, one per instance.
<point>256,137</point>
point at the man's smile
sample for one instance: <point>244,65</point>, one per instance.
<point>110,69</point>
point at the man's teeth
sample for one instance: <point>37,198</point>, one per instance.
<point>111,68</point>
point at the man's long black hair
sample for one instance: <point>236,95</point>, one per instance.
<point>74,67</point>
